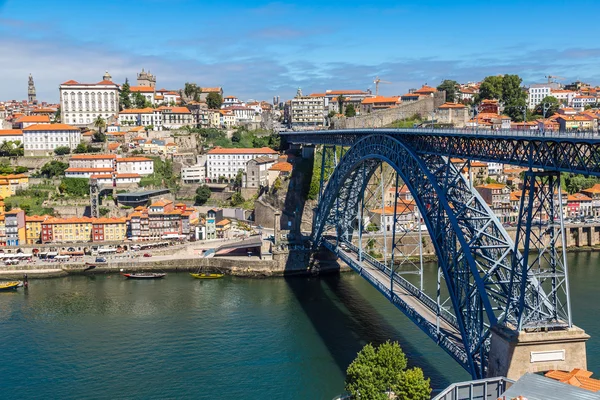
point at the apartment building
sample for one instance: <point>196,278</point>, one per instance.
<point>225,163</point>
<point>42,139</point>
<point>307,111</point>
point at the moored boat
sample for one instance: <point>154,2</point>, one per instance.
<point>6,286</point>
<point>206,276</point>
<point>145,275</point>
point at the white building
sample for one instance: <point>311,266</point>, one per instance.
<point>565,97</point>
<point>229,101</point>
<point>536,93</point>
<point>194,174</point>
<point>242,114</point>
<point>11,135</point>
<point>137,117</point>
<point>581,101</point>
<point>172,117</point>
<point>495,168</point>
<point>92,161</point>
<point>120,179</point>
<point>44,138</point>
<point>307,111</point>
<point>135,165</point>
<point>82,103</point>
<point>227,162</point>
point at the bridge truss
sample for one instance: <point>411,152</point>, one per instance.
<point>487,278</point>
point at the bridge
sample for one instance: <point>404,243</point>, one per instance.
<point>501,306</point>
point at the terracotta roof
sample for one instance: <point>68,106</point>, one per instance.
<point>380,99</point>
<point>211,90</point>
<point>104,221</point>
<point>593,189</point>
<point>223,222</point>
<point>400,208</point>
<point>139,208</point>
<point>73,220</point>
<point>262,150</point>
<point>133,159</point>
<point>51,127</point>
<point>137,129</point>
<point>177,110</point>
<point>146,89</point>
<point>577,377</point>
<point>491,186</point>
<point>71,82</point>
<point>93,157</point>
<point>426,90</point>
<point>11,132</point>
<point>113,146</point>
<point>147,110</point>
<point>34,118</point>
<point>89,170</point>
<point>281,166</point>
<point>452,105</point>
<point>36,218</point>
<point>161,203</point>
<point>118,176</point>
<point>578,197</point>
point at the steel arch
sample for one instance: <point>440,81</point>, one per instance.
<point>474,251</point>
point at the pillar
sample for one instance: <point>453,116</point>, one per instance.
<point>513,354</point>
<point>276,226</point>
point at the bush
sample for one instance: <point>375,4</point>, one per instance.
<point>62,150</point>
<point>104,211</point>
<point>53,168</point>
<point>202,195</point>
<point>76,187</point>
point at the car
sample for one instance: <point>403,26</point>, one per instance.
<point>345,248</point>
<point>100,259</point>
<point>147,255</point>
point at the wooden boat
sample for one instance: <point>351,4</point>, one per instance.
<point>202,275</point>
<point>145,275</point>
<point>6,286</point>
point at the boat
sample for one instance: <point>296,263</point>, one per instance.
<point>145,275</point>
<point>6,286</point>
<point>202,275</point>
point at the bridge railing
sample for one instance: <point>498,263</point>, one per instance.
<point>406,285</point>
<point>455,350</point>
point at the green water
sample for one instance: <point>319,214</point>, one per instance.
<point>108,338</point>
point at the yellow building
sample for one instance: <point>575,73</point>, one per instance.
<point>33,228</point>
<point>2,230</point>
<point>109,229</point>
<point>67,230</point>
<point>9,184</point>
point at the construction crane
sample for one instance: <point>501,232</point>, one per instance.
<point>377,81</point>
<point>550,77</point>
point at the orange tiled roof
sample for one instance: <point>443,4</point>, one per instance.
<point>262,150</point>
<point>593,189</point>
<point>133,159</point>
<point>73,220</point>
<point>147,110</point>
<point>452,105</point>
<point>577,377</point>
<point>93,156</point>
<point>161,203</point>
<point>34,118</point>
<point>223,222</point>
<point>578,197</point>
<point>380,99</point>
<point>51,127</point>
<point>11,132</point>
<point>36,218</point>
<point>281,166</point>
<point>492,186</point>
<point>211,90</point>
<point>400,208</point>
<point>89,170</point>
<point>113,146</point>
<point>146,89</point>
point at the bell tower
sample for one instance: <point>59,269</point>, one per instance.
<point>31,90</point>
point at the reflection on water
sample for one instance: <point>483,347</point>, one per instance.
<point>106,337</point>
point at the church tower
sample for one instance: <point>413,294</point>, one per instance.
<point>31,90</point>
<point>146,79</point>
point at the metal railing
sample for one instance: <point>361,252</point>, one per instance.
<point>481,389</point>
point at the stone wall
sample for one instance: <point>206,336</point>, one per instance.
<point>381,118</point>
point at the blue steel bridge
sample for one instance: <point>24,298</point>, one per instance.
<point>485,278</point>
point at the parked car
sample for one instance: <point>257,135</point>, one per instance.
<point>100,259</point>
<point>147,255</point>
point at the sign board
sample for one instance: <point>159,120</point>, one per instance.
<point>545,356</point>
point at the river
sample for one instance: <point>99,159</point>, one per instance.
<point>104,337</point>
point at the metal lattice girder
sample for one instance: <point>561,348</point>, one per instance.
<point>540,286</point>
<point>578,153</point>
<point>473,249</point>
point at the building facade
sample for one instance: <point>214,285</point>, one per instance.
<point>307,111</point>
<point>225,163</point>
<point>82,103</point>
<point>42,139</point>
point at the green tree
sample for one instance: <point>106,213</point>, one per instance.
<point>104,211</point>
<point>549,101</point>
<point>202,195</point>
<point>62,150</point>
<point>277,184</point>
<point>450,87</point>
<point>490,88</point>
<point>214,101</point>
<point>237,136</point>
<point>81,148</point>
<point>237,199</point>
<point>76,187</point>
<point>57,115</point>
<point>53,168</point>
<point>513,97</point>
<point>340,101</point>
<point>239,178</point>
<point>139,101</point>
<point>99,123</point>
<point>376,372</point>
<point>192,91</point>
<point>350,111</point>
<point>125,95</point>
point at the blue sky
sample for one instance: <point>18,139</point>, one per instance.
<point>261,49</point>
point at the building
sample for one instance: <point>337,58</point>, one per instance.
<point>383,218</point>
<point>307,111</point>
<point>257,172</point>
<point>579,102</point>
<point>497,196</point>
<point>223,227</point>
<point>565,97</point>
<point>172,117</point>
<point>135,165</point>
<point>125,169</point>
<point>11,135</point>
<point>194,174</point>
<point>82,103</point>
<point>225,163</point>
<point>67,230</point>
<point>213,217</point>
<point>15,227</point>
<point>454,114</point>
<point>146,79</point>
<point>33,228</point>
<point>537,92</point>
<point>594,194</point>
<point>29,120</point>
<point>42,139</point>
<point>109,229</point>
<point>579,205</point>
<point>9,184</point>
<point>137,117</point>
<point>575,123</point>
<point>31,97</point>
<point>370,104</point>
<point>280,168</point>
<point>354,97</point>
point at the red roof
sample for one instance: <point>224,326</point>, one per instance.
<point>89,170</point>
<point>93,156</point>
<point>11,132</point>
<point>132,159</point>
<point>51,127</point>
<point>34,118</point>
<point>262,150</point>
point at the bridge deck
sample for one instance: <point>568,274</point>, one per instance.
<point>417,306</point>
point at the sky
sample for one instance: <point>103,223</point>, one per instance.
<point>257,50</point>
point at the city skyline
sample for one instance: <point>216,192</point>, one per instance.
<point>274,48</point>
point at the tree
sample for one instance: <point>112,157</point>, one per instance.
<point>449,86</point>
<point>238,178</point>
<point>214,101</point>
<point>57,115</point>
<point>237,136</point>
<point>237,199</point>
<point>513,97</point>
<point>81,148</point>
<point>202,195</point>
<point>192,91</point>
<point>139,101</point>
<point>53,168</point>
<point>490,88</point>
<point>340,100</point>
<point>100,123</point>
<point>350,111</point>
<point>377,371</point>
<point>77,187</point>
<point>104,211</point>
<point>62,150</point>
<point>277,184</point>
<point>125,95</point>
<point>552,105</point>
